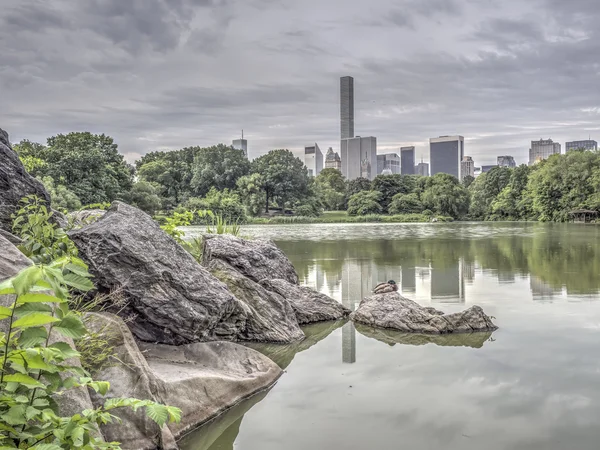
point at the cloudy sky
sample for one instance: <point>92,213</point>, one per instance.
<point>164,74</point>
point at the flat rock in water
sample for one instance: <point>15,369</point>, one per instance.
<point>256,259</point>
<point>170,297</point>
<point>270,316</point>
<point>309,305</point>
<point>393,311</point>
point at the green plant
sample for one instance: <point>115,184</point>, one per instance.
<point>194,248</point>
<point>177,220</point>
<point>221,226</point>
<point>43,241</point>
<point>103,206</point>
<point>34,373</point>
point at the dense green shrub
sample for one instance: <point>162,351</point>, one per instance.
<point>224,203</point>
<point>365,202</point>
<point>405,204</point>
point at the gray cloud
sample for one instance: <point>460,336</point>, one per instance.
<point>159,74</point>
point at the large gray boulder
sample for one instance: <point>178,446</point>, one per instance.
<point>270,316</point>
<point>15,183</point>
<point>203,379</point>
<point>171,299</point>
<point>257,259</point>
<point>309,305</point>
<point>84,217</point>
<point>391,310</point>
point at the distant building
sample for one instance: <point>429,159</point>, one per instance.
<point>313,160</point>
<point>333,160</point>
<point>485,169</point>
<point>389,161</point>
<point>241,144</point>
<point>346,107</point>
<point>542,149</point>
<point>359,157</point>
<point>506,161</point>
<point>407,155</point>
<point>446,154</point>
<point>467,167</point>
<point>583,145</point>
<point>422,169</point>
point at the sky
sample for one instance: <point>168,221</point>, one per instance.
<point>166,74</point>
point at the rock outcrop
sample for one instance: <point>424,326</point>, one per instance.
<point>257,259</point>
<point>171,298</point>
<point>84,217</point>
<point>15,240</point>
<point>393,311</point>
<point>203,379</point>
<point>270,316</point>
<point>15,183</point>
<point>309,305</point>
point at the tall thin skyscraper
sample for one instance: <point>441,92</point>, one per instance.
<point>347,107</point>
<point>408,160</point>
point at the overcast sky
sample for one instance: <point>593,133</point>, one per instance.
<point>164,74</point>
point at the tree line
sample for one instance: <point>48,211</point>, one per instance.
<point>83,168</point>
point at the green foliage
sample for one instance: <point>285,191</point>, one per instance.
<point>221,226</point>
<point>103,206</point>
<point>467,181</point>
<point>389,186</point>
<point>225,203</point>
<point>365,202</point>
<point>178,219</point>
<point>61,198</point>
<point>330,188</point>
<point>252,194</point>
<point>405,204</point>
<point>43,241</point>
<point>34,373</point>
<point>217,167</point>
<point>144,196</point>
<point>357,185</point>
<point>445,196</point>
<point>32,156</point>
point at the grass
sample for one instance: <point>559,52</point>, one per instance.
<point>343,217</point>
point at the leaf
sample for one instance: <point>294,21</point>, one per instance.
<point>77,436</point>
<point>37,298</point>
<point>174,414</point>
<point>66,350</point>
<point>71,326</point>
<point>5,312</point>
<point>81,270</point>
<point>158,413</point>
<point>28,308</point>
<point>78,282</point>
<point>15,415</point>
<point>26,278</point>
<point>46,447</point>
<point>100,387</point>
<point>30,337</point>
<point>34,320</point>
<point>31,412</point>
<point>25,380</point>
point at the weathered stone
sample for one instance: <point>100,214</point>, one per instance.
<point>15,240</point>
<point>171,298</point>
<point>11,259</point>
<point>85,217</point>
<point>391,310</point>
<point>309,305</point>
<point>257,259</point>
<point>202,379</point>
<point>270,316</point>
<point>15,183</point>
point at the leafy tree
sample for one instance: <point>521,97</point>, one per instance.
<point>405,204</point>
<point>388,185</point>
<point>330,187</point>
<point>32,156</point>
<point>225,203</point>
<point>444,195</point>
<point>512,203</point>
<point>143,195</point>
<point>60,197</point>
<point>219,166</point>
<point>250,188</point>
<point>358,185</point>
<point>284,177</point>
<point>467,181</point>
<point>365,202</point>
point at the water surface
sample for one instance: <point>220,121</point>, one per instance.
<point>533,384</point>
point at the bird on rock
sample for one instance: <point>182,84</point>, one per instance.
<point>384,288</point>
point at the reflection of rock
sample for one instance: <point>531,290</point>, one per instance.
<point>393,337</point>
<point>394,311</point>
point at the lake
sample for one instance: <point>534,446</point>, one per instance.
<point>532,384</point>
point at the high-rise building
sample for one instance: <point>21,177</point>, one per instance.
<point>542,149</point>
<point>333,160</point>
<point>506,161</point>
<point>446,154</point>
<point>347,107</point>
<point>407,155</point>
<point>313,160</point>
<point>389,161</point>
<point>241,144</point>
<point>467,167</point>
<point>359,157</point>
<point>583,145</point>
<point>422,169</point>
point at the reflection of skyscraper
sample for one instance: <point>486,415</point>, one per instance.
<point>349,343</point>
<point>409,282</point>
<point>448,284</point>
<point>468,269</point>
<point>540,289</point>
<point>506,277</point>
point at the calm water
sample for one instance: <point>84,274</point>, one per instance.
<point>533,384</point>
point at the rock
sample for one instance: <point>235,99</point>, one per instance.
<point>15,240</point>
<point>15,183</point>
<point>84,217</point>
<point>391,310</point>
<point>203,379</point>
<point>11,260</point>
<point>257,259</point>
<point>171,298</point>
<point>270,317</point>
<point>309,305</point>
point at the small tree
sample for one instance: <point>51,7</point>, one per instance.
<point>405,204</point>
<point>365,202</point>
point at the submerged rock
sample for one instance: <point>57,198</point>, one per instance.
<point>309,305</point>
<point>393,311</point>
<point>171,298</point>
<point>203,379</point>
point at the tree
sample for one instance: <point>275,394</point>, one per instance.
<point>405,204</point>
<point>252,193</point>
<point>444,195</point>
<point>284,177</point>
<point>32,156</point>
<point>512,203</point>
<point>219,166</point>
<point>330,187</point>
<point>467,181</point>
<point>143,195</point>
<point>389,185</point>
<point>225,204</point>
<point>358,185</point>
<point>60,197</point>
<point>365,202</point>
<point>89,165</point>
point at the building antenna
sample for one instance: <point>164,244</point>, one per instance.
<point>242,134</point>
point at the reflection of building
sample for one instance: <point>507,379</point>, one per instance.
<point>389,161</point>
<point>467,167</point>
<point>507,277</point>
<point>581,145</point>
<point>313,160</point>
<point>333,160</point>
<point>448,284</point>
<point>408,281</point>
<point>445,155</point>
<point>542,149</point>
<point>540,289</point>
<point>349,343</point>
<point>407,154</point>
<point>506,161</point>
<point>468,271</point>
<point>359,157</point>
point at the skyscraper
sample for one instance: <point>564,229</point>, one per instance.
<point>313,160</point>
<point>333,160</point>
<point>585,145</point>
<point>422,169</point>
<point>506,161</point>
<point>359,157</point>
<point>389,161</point>
<point>542,149</point>
<point>467,167</point>
<point>407,155</point>
<point>446,154</point>
<point>347,107</point>
<point>241,144</point>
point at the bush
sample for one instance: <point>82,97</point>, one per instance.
<point>225,203</point>
<point>365,202</point>
<point>307,210</point>
<point>61,198</point>
<point>405,204</point>
<point>143,195</point>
